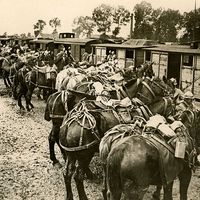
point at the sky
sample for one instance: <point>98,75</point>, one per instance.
<point>18,16</point>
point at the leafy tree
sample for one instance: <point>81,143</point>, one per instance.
<point>39,26</point>
<point>191,23</point>
<point>102,16</point>
<point>143,20</point>
<point>166,24</point>
<point>54,23</point>
<point>121,16</point>
<point>23,35</point>
<point>5,34</point>
<point>83,26</point>
<point>29,35</point>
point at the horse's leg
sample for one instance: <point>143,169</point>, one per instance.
<point>5,81</point>
<point>184,177</point>
<point>156,194</point>
<point>79,177</point>
<point>44,94</point>
<point>104,190</point>
<point>19,98</point>
<point>39,93</point>
<point>68,173</point>
<point>52,142</point>
<point>9,82</point>
<point>168,192</point>
<point>31,88</point>
<point>85,165</point>
<point>27,104</point>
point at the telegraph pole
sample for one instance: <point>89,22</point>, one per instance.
<point>131,27</point>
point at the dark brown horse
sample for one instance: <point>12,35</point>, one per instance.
<point>59,103</point>
<point>20,87</point>
<point>147,90</point>
<point>164,107</point>
<point>81,133</point>
<point>136,162</point>
<point>57,106</point>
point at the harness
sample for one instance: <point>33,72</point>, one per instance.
<point>84,115</point>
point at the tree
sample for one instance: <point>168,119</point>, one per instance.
<point>23,35</point>
<point>5,34</point>
<point>29,35</point>
<point>191,24</point>
<point>143,20</point>
<point>38,27</point>
<point>121,17</point>
<point>102,16</point>
<point>166,24</point>
<point>54,23</point>
<point>83,26</point>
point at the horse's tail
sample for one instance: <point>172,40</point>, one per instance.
<point>113,170</point>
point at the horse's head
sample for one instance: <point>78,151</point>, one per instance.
<point>152,89</point>
<point>131,87</point>
<point>148,69</point>
<point>191,121</point>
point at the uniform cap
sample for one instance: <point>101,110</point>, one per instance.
<point>188,95</point>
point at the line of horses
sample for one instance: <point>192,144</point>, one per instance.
<point>131,157</point>
<point>81,126</point>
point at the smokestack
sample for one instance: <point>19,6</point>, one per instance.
<point>131,26</point>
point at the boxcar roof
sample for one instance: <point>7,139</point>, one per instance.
<point>174,49</point>
<point>120,46</point>
<point>73,41</point>
<point>42,41</point>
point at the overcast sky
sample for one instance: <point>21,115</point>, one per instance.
<point>18,16</point>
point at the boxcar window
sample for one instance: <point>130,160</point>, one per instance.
<point>187,60</point>
<point>129,54</point>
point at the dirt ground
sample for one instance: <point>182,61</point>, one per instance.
<point>26,172</point>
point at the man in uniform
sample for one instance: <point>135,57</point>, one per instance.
<point>185,104</point>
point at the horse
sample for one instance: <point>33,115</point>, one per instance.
<point>62,60</point>
<point>80,135</point>
<point>13,70</point>
<point>152,89</point>
<point>138,155</point>
<point>5,67</point>
<point>20,87</point>
<point>164,106</point>
<point>60,103</point>
<point>57,106</point>
<point>37,77</point>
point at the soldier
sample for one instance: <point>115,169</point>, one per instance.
<point>185,104</point>
<point>178,94</point>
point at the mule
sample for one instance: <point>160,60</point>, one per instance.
<point>37,78</point>
<point>57,106</point>
<point>20,87</point>
<point>5,67</point>
<point>134,164</point>
<point>80,135</point>
<point>152,89</point>
<point>163,106</point>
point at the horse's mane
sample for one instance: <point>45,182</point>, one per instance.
<point>130,82</point>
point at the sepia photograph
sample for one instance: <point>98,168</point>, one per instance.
<point>99,100</point>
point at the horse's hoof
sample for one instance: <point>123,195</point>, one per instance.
<point>57,165</point>
<point>91,176</point>
<point>155,197</point>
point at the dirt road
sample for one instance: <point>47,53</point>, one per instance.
<point>26,172</point>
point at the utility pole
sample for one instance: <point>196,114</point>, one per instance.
<point>131,27</point>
